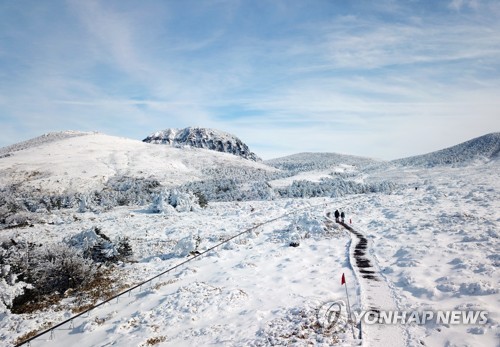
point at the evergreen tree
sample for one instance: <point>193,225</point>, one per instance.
<point>202,199</point>
<point>124,248</point>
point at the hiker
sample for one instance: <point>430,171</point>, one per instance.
<point>337,214</point>
<point>342,216</point>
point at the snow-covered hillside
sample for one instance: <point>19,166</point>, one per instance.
<point>86,162</point>
<point>482,149</point>
<point>303,162</point>
<point>211,139</point>
<point>97,171</point>
<point>325,174</point>
<point>40,140</point>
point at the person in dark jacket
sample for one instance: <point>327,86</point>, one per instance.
<point>337,214</point>
<point>342,216</point>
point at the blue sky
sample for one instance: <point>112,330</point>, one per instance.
<point>384,79</point>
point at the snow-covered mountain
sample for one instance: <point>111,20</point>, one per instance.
<point>80,162</point>
<point>485,148</point>
<point>212,139</point>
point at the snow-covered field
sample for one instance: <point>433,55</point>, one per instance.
<point>430,236</point>
<point>436,248</point>
<point>250,291</point>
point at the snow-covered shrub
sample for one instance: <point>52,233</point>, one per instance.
<point>32,272</point>
<point>84,240</point>
<point>183,201</point>
<point>118,191</point>
<point>308,223</point>
<point>83,204</point>
<point>235,184</point>
<point>166,202</point>
<point>300,227</point>
<point>304,162</point>
<point>186,245</point>
<point>18,219</point>
<point>124,248</point>
<point>124,190</point>
<point>64,267</point>
<point>95,245</point>
<point>294,235</point>
<point>202,199</point>
<point>104,251</point>
<point>10,287</point>
<point>159,202</point>
<point>231,189</point>
<point>10,206</point>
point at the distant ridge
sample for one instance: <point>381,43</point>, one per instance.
<point>211,139</point>
<point>301,162</point>
<point>484,148</point>
<point>40,140</point>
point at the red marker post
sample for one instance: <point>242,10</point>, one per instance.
<point>342,282</point>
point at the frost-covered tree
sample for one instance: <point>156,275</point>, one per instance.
<point>104,251</point>
<point>64,267</point>
<point>332,187</point>
<point>202,199</point>
<point>183,201</point>
<point>32,271</point>
<point>10,287</point>
<point>169,201</point>
<point>124,248</point>
<point>160,202</point>
<point>96,245</point>
<point>83,204</point>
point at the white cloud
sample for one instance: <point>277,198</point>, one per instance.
<point>357,84</point>
<point>112,36</point>
<point>458,5</point>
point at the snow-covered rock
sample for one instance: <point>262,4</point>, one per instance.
<point>212,139</point>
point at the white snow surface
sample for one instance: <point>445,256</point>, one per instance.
<point>45,138</point>
<point>434,243</point>
<point>436,248</point>
<point>85,162</point>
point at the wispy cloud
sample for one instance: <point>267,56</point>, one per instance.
<point>458,5</point>
<point>339,76</point>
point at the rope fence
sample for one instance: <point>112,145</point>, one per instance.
<point>150,280</point>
